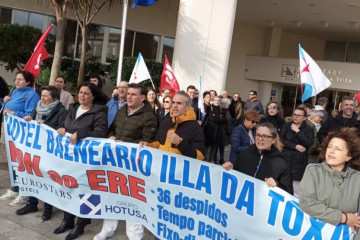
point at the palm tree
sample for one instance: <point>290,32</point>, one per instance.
<point>61,7</point>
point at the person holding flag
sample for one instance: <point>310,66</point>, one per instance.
<point>21,102</point>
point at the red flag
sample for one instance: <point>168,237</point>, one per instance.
<point>39,54</point>
<point>168,78</point>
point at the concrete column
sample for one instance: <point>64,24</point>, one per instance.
<point>203,41</point>
<point>273,39</point>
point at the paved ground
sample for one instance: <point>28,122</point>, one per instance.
<point>30,226</point>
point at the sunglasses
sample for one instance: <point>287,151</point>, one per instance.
<point>272,107</point>
<point>253,121</point>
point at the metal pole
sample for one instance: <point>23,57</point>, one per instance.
<point>122,41</point>
<point>296,93</point>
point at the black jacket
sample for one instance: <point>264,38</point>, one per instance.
<point>272,164</point>
<point>298,160</point>
<point>335,123</point>
<point>56,117</point>
<point>213,125</point>
<point>194,104</point>
<point>192,145</point>
<point>92,123</point>
<point>276,120</point>
<point>139,126</point>
<point>160,116</point>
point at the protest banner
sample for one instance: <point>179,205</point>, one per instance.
<point>175,197</point>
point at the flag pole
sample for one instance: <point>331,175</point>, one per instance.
<point>122,41</point>
<point>152,84</point>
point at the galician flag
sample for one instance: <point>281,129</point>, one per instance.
<point>140,72</point>
<point>311,76</point>
<point>39,55</point>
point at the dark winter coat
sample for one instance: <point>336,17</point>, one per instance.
<point>240,141</point>
<point>276,120</point>
<point>56,117</point>
<point>92,123</point>
<point>255,105</point>
<point>139,126</point>
<point>298,160</point>
<point>336,122</point>
<point>192,143</point>
<point>214,126</point>
<point>160,116</point>
<point>270,163</point>
<point>195,105</point>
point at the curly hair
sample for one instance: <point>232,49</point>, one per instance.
<point>352,140</point>
<point>279,107</point>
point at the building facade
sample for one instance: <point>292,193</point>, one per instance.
<point>233,45</point>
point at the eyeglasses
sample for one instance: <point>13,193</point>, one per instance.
<point>254,122</point>
<point>297,115</point>
<point>272,107</point>
<point>263,136</point>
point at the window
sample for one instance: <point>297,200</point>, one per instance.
<point>168,48</point>
<point>147,44</point>
<point>353,52</point>
<point>94,42</point>
<point>69,39</point>
<point>28,18</point>
<point>5,15</point>
<point>114,44</point>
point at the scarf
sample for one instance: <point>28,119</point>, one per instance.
<point>44,110</point>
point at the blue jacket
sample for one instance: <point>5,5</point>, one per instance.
<point>23,102</point>
<point>240,141</point>
<point>113,107</point>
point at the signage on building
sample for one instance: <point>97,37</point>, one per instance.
<point>284,70</point>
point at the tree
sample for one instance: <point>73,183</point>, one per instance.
<point>61,7</point>
<point>16,45</point>
<point>85,11</point>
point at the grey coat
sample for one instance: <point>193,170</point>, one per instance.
<point>326,193</point>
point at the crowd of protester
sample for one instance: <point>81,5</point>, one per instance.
<point>264,143</point>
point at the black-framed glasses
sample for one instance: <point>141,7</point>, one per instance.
<point>297,115</point>
<point>272,107</point>
<point>254,122</point>
<point>263,136</point>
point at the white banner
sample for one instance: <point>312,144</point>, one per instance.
<point>175,197</point>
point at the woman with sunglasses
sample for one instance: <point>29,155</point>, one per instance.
<point>264,161</point>
<point>244,135</point>
<point>163,112</point>
<point>297,138</point>
<point>273,115</point>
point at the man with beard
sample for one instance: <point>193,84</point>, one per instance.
<point>344,118</point>
<point>253,103</point>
